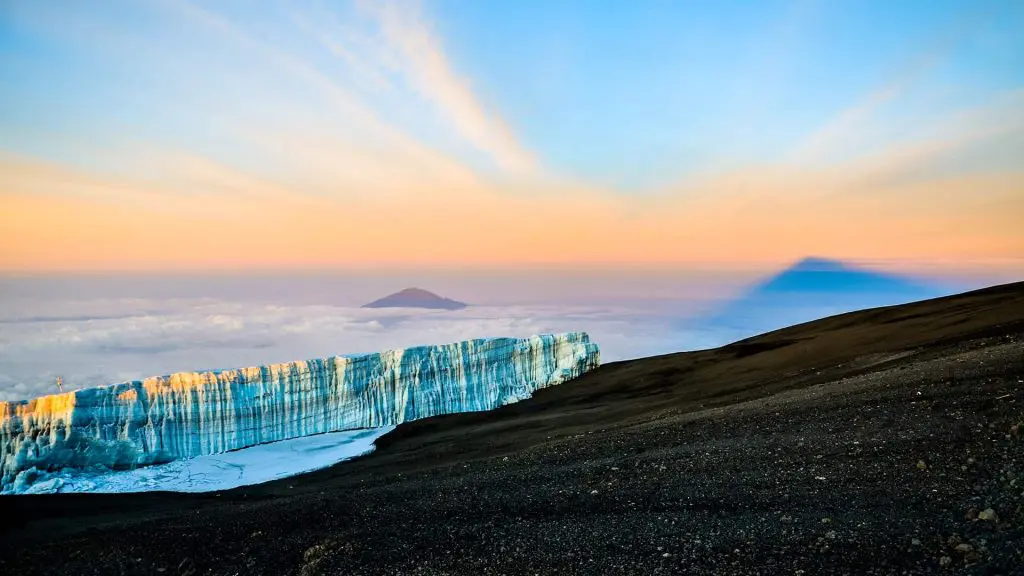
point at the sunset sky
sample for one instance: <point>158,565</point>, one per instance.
<point>172,135</point>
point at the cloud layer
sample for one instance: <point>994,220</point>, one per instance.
<point>96,330</point>
<point>101,341</point>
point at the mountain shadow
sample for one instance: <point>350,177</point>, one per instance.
<point>810,289</point>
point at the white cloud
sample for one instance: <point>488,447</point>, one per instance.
<point>426,63</point>
<point>96,330</point>
<point>77,330</point>
<point>101,341</point>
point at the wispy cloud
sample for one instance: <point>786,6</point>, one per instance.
<point>849,124</point>
<point>346,44</point>
<point>354,147</point>
<point>985,126</point>
<point>345,101</point>
<point>433,73</point>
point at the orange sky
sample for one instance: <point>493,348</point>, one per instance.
<point>88,223</point>
<point>190,140</point>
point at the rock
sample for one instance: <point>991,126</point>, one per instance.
<point>988,514</point>
<point>945,561</point>
<point>972,514</point>
<point>921,465</point>
<point>593,492</point>
<point>915,542</point>
<point>964,548</point>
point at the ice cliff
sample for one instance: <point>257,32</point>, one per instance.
<point>190,414</point>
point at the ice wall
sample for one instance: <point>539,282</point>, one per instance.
<point>189,414</point>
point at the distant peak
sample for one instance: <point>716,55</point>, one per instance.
<point>416,298</point>
<point>415,292</point>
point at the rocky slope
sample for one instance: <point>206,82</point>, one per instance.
<point>879,442</point>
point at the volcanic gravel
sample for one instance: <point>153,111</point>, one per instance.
<point>914,464</point>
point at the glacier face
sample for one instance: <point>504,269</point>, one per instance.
<point>190,414</point>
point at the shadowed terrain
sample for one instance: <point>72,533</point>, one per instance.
<point>884,441</point>
<point>807,290</point>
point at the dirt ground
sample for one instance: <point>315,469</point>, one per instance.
<point>888,441</point>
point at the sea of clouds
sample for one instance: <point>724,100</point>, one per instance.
<point>98,330</point>
<point>97,341</point>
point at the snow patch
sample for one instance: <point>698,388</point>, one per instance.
<point>215,472</point>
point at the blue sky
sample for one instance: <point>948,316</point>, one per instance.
<point>636,116</point>
<point>660,88</point>
<point>623,93</point>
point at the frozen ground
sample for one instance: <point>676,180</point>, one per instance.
<point>245,467</point>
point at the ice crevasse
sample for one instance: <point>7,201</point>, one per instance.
<point>190,414</point>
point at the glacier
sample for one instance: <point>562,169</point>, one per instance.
<point>191,414</point>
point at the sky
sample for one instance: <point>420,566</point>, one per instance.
<point>167,135</point>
